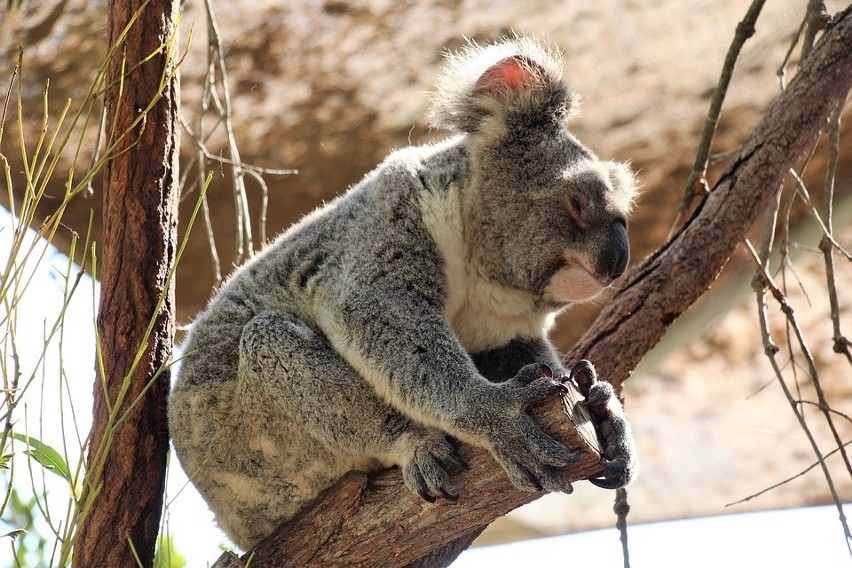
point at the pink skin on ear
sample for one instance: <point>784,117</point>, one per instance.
<point>511,73</point>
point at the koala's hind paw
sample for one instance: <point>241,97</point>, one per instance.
<point>619,460</point>
<point>424,473</point>
<point>531,458</point>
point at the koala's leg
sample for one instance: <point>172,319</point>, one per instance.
<point>299,374</point>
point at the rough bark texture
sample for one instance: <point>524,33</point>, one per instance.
<point>374,522</point>
<point>138,248</point>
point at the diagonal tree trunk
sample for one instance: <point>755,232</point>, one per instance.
<point>375,522</point>
<point>126,461</point>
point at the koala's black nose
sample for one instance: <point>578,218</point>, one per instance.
<point>616,254</point>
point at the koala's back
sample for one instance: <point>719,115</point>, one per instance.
<point>294,270</point>
<point>242,449</point>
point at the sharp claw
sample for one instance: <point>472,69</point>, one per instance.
<point>605,482</point>
<point>457,462</point>
<point>449,496</point>
<point>425,496</point>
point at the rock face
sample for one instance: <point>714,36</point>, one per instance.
<point>329,87</point>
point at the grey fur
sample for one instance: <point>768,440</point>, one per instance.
<point>352,341</point>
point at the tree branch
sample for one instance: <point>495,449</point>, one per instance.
<point>375,521</point>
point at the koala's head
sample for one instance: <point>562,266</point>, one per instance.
<point>544,213</point>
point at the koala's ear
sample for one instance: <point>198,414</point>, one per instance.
<point>624,185</point>
<point>517,82</point>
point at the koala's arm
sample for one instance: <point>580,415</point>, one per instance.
<point>392,330</point>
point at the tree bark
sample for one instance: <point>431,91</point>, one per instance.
<point>126,461</point>
<point>358,523</point>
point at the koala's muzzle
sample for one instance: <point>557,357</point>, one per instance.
<point>616,253</point>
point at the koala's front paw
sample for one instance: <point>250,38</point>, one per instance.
<point>423,470</point>
<point>531,458</point>
<point>619,459</point>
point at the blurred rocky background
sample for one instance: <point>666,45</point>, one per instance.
<point>329,87</point>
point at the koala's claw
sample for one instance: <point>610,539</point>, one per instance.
<point>455,460</point>
<point>616,465</point>
<point>424,494</point>
<point>584,375</point>
<point>619,455</point>
<point>532,458</point>
<point>424,472</point>
<point>606,482</point>
<point>448,496</point>
<point>546,478</point>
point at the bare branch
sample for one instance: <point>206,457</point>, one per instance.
<point>771,349</point>
<point>696,182</point>
<point>842,344</point>
<point>785,481</point>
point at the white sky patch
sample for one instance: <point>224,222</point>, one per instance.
<point>808,536</point>
<point>58,411</point>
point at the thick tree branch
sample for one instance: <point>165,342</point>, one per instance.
<point>376,522</point>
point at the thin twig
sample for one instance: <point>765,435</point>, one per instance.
<point>696,183</point>
<point>841,342</point>
<point>781,73</point>
<point>771,349</point>
<point>826,231</point>
<point>250,168</point>
<point>785,481</point>
<point>846,417</point>
<point>787,309</point>
<point>816,19</point>
<point>622,508</point>
<point>201,153</point>
<point>215,50</point>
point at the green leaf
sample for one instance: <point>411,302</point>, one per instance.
<point>46,456</point>
<point>14,534</point>
<point>5,460</point>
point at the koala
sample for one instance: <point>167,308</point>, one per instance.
<point>413,311</point>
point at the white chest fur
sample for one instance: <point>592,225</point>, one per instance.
<point>483,314</point>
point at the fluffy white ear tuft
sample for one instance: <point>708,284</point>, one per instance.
<point>518,80</point>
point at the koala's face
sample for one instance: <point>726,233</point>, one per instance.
<point>595,199</point>
<point>556,218</point>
